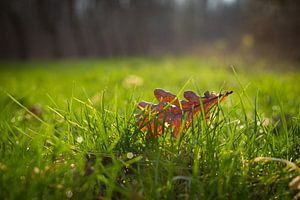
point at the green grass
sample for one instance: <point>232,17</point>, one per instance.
<point>67,130</point>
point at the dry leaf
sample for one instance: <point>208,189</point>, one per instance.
<point>295,183</point>
<point>174,113</point>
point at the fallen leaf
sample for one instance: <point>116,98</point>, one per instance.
<point>295,183</point>
<point>173,113</point>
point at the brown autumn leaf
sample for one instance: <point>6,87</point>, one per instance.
<point>174,113</point>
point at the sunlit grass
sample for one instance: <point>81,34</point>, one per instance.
<point>68,131</point>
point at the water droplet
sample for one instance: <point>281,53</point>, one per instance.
<point>166,124</point>
<point>129,155</point>
<point>258,123</point>
<point>79,139</point>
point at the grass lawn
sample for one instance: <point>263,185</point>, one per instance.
<point>67,130</point>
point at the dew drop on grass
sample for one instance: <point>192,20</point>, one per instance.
<point>129,155</point>
<point>258,123</point>
<point>79,139</point>
<point>166,124</point>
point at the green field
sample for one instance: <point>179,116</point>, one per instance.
<point>68,130</point>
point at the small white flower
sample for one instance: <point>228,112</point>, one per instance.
<point>79,139</point>
<point>129,155</point>
<point>261,131</point>
<point>242,126</point>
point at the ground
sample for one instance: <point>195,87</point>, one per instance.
<point>68,130</point>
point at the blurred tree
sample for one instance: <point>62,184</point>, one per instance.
<point>81,28</point>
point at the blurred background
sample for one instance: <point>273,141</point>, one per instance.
<point>48,29</point>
